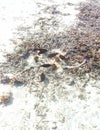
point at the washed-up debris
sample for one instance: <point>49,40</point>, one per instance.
<point>52,54</point>
<point>5,98</point>
<point>36,58</point>
<point>42,77</point>
<point>5,93</point>
<point>41,50</point>
<point>62,57</point>
<point>77,50</point>
<point>5,80</point>
<point>46,65</point>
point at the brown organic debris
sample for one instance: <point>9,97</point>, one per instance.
<point>5,98</point>
<point>62,57</point>
<point>77,49</point>
<point>46,65</point>
<point>52,54</point>
<point>36,58</point>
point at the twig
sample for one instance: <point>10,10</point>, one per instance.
<point>76,66</point>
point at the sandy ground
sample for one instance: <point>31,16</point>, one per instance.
<point>63,106</point>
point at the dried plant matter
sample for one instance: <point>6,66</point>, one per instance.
<point>52,54</point>
<point>5,98</point>
<point>79,48</point>
<point>46,65</point>
<point>62,57</point>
